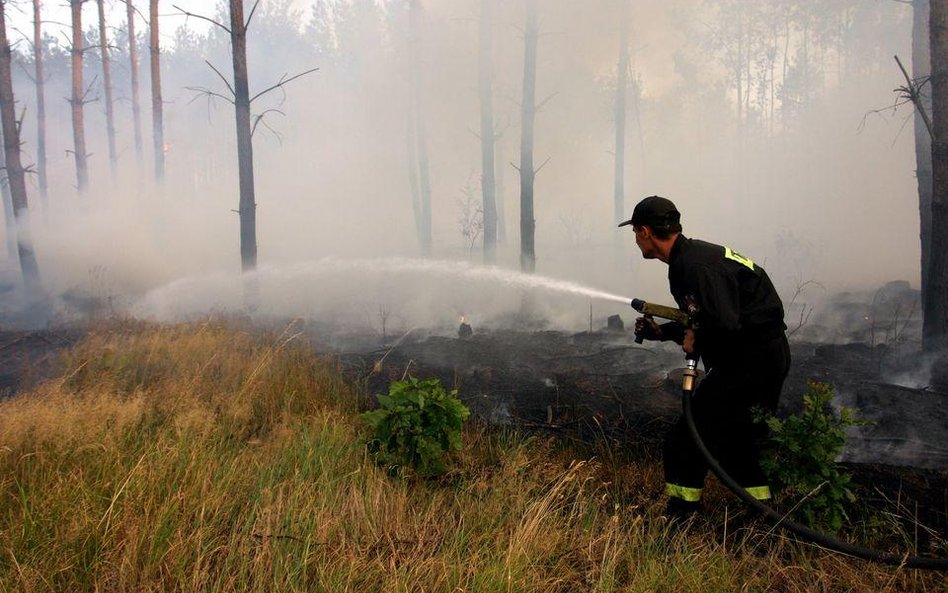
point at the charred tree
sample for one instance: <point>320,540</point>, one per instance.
<point>40,81</point>
<point>935,324</point>
<point>412,150</point>
<point>921,68</point>
<point>420,131</point>
<point>240,97</point>
<point>248,204</point>
<point>622,85</point>
<point>528,256</point>
<point>107,83</point>
<point>485,80</point>
<point>158,130</point>
<point>8,216</point>
<point>78,99</point>
<point>499,186</point>
<point>14,168</point>
<point>133,67</point>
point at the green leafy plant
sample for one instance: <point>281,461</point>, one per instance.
<point>415,425</point>
<point>800,459</point>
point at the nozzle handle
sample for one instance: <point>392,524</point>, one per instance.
<point>639,338</point>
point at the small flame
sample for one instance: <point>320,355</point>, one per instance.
<point>462,318</point>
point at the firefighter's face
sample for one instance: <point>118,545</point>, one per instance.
<point>646,241</point>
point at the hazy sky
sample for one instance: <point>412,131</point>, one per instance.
<point>57,11</point>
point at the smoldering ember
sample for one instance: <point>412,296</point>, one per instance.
<point>432,188</point>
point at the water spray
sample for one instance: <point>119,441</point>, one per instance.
<point>198,293</point>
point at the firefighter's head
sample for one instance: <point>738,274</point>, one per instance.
<point>656,222</point>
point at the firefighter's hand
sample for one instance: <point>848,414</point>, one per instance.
<point>688,344</point>
<point>647,329</point>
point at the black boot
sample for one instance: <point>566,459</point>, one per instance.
<point>681,511</point>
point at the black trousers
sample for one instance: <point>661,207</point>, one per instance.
<point>723,408</point>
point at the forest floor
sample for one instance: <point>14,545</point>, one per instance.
<point>219,456</point>
<point>602,392</point>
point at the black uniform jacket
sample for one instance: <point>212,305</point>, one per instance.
<point>738,307</point>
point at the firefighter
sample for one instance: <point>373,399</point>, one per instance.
<point>740,335</point>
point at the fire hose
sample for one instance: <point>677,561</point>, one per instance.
<point>780,520</point>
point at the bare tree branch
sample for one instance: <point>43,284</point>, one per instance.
<point>202,17</point>
<point>260,119</point>
<point>27,72</point>
<point>143,17</point>
<point>203,92</point>
<point>218,72</point>
<point>70,151</point>
<point>82,100</point>
<point>26,38</point>
<point>543,164</point>
<point>895,106</point>
<point>913,92</point>
<point>19,123</point>
<point>544,102</point>
<point>500,130</point>
<point>806,310</point>
<point>283,81</point>
<point>89,90</point>
<point>250,17</point>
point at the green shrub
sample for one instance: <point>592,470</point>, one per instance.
<point>416,424</point>
<point>800,459</point>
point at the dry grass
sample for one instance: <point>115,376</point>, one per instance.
<point>202,458</point>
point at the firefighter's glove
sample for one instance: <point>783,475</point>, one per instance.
<point>647,329</point>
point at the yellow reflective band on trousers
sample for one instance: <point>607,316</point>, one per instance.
<point>683,492</point>
<point>759,492</point>
<point>694,494</point>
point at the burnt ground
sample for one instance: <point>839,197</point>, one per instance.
<point>601,386</point>
<point>29,357</point>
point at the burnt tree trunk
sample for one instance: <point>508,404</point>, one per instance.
<point>78,99</point>
<point>528,256</point>
<point>421,134</point>
<point>158,131</point>
<point>248,205</point>
<point>499,168</point>
<point>14,172</point>
<point>8,216</point>
<point>107,82</point>
<point>412,150</point>
<point>935,324</point>
<point>40,76</point>
<point>133,66</point>
<point>485,80</point>
<point>921,67</point>
<point>622,85</point>
<point>743,92</point>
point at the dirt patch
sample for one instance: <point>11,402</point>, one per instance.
<point>29,357</point>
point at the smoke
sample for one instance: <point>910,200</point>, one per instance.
<point>805,193</point>
<point>914,436</point>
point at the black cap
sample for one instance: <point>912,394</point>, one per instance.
<point>656,212</point>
